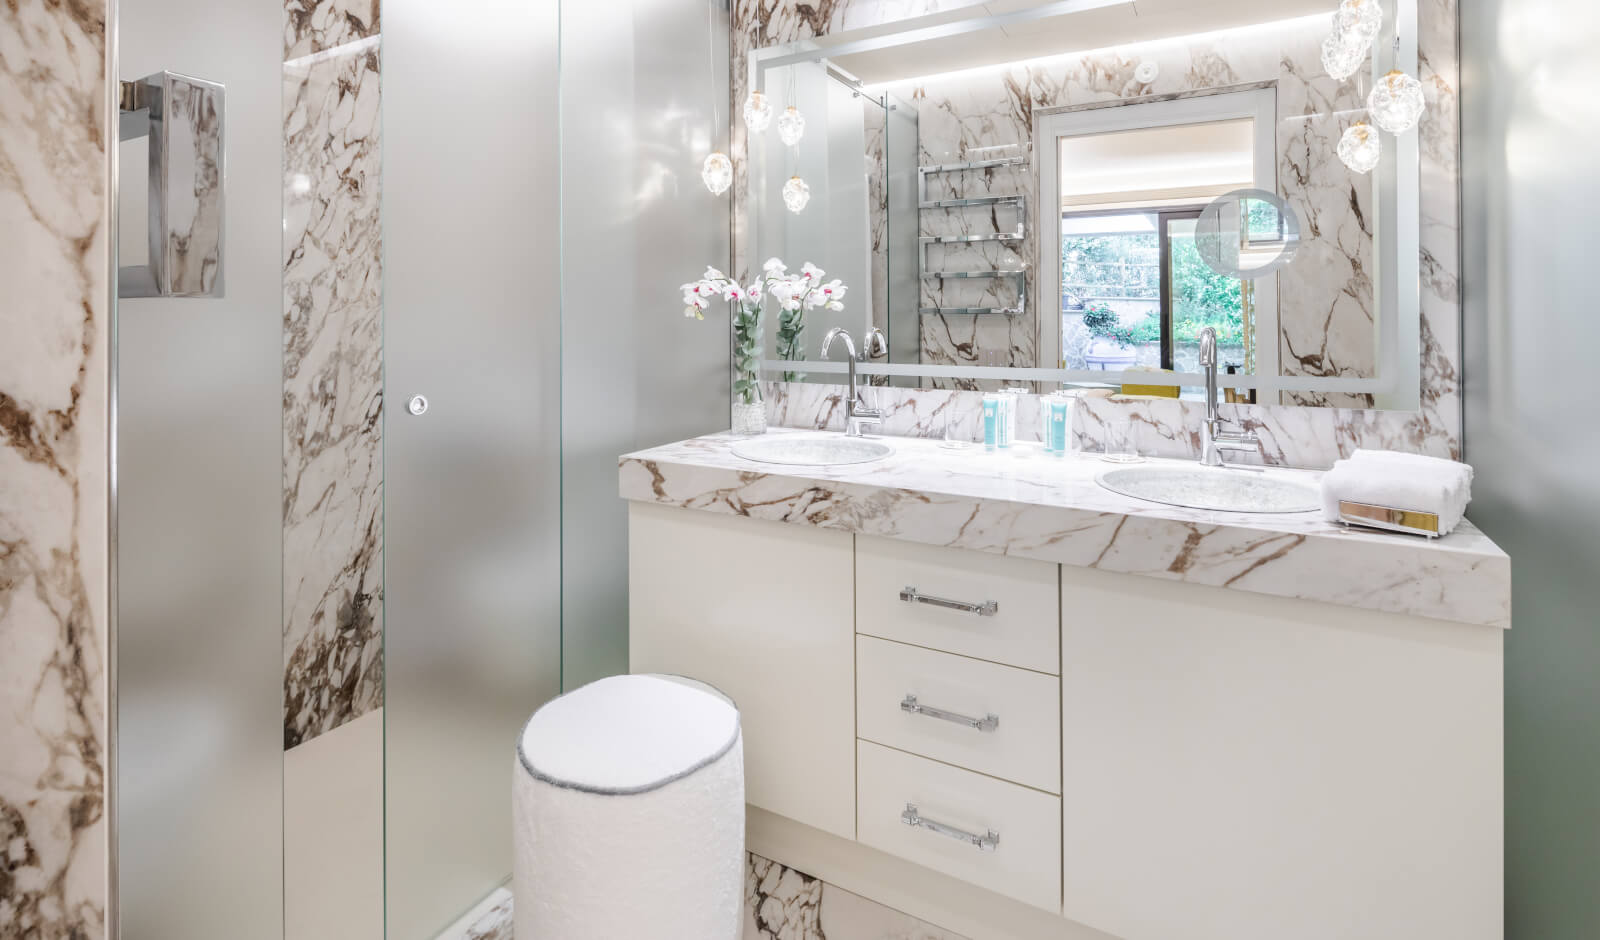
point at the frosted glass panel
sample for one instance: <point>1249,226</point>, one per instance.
<point>199,635</point>
<point>472,487</point>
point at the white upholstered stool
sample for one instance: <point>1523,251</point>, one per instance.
<point>628,796</point>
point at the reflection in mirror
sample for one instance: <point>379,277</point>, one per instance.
<point>1247,233</point>
<point>1029,213</point>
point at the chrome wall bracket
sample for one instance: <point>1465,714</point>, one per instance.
<point>986,842</point>
<point>182,119</point>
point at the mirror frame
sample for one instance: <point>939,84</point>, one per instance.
<point>1398,384</point>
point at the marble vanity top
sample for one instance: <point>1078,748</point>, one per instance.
<point>1026,503</point>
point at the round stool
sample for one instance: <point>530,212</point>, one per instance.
<point>628,796</point>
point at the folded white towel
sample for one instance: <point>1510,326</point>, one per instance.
<point>1394,480</point>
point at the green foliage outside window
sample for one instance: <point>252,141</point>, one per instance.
<point>1127,266</point>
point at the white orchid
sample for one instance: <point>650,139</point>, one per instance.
<point>793,292</point>
<point>829,295</point>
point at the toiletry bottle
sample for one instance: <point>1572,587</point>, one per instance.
<point>1060,412</point>
<point>991,422</point>
<point>1006,420</point>
<point>1011,397</point>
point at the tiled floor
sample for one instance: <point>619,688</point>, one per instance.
<point>780,904</point>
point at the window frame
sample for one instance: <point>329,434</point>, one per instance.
<point>1259,103</point>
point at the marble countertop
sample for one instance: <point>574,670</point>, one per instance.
<point>1032,505</point>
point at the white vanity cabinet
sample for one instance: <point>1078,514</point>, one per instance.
<point>1239,766</point>
<point>1014,748</point>
<point>762,611</point>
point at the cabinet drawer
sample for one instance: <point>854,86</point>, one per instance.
<point>1021,629</point>
<point>1023,743</point>
<point>1025,861</point>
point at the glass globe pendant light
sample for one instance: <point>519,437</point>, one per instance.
<point>757,112</point>
<point>791,126</point>
<point>1359,22</point>
<point>796,194</point>
<point>717,173</point>
<point>717,170</point>
<point>1396,102</point>
<point>1361,147</point>
<point>1341,58</point>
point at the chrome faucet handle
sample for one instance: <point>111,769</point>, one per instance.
<point>876,345</point>
<point>1208,347</point>
<point>865,410</point>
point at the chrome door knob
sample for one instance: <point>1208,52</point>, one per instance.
<point>417,405</point>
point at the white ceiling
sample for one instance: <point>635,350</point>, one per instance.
<point>1170,160</point>
<point>1119,24</point>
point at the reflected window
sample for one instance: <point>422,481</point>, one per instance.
<point>1135,292</point>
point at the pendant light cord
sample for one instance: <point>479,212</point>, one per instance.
<point>711,69</point>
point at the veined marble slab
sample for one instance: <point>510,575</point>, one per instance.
<point>55,495</point>
<point>332,369</point>
<point>1028,504</point>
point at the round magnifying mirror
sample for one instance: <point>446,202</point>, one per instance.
<point>1247,233</point>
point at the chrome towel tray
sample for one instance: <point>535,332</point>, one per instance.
<point>1389,519</point>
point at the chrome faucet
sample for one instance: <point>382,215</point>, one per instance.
<point>857,414</point>
<point>1214,440</point>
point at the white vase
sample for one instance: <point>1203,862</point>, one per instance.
<point>749,419</point>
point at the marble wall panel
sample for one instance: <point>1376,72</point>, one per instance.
<point>1326,298</point>
<point>54,460</point>
<point>783,903</point>
<point>332,368</point>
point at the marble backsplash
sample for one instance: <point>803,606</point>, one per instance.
<point>1293,436</point>
<point>332,367</point>
<point>1307,438</point>
<point>55,657</point>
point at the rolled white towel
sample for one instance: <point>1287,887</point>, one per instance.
<point>1395,480</point>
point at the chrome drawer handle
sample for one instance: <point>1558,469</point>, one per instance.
<point>985,843</point>
<point>986,723</point>
<point>985,609</point>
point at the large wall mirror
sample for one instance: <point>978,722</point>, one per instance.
<point>1067,193</point>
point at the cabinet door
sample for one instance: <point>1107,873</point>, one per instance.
<point>1238,766</point>
<point>763,611</point>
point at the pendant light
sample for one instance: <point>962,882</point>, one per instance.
<point>717,173</point>
<point>796,194</point>
<point>1361,147</point>
<point>791,125</point>
<point>717,170</point>
<point>1341,58</point>
<point>1396,103</point>
<point>757,112</point>
<point>1359,22</point>
<point>1356,26</point>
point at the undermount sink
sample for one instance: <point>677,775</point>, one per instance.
<point>811,450</point>
<point>1220,489</point>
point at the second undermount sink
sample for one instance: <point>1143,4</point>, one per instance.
<point>811,450</point>
<point>1219,489</point>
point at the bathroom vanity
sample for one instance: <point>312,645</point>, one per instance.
<point>982,689</point>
